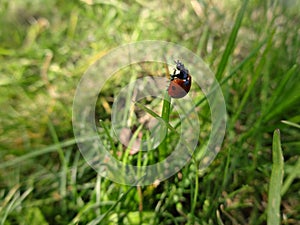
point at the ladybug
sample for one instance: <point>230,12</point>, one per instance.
<point>180,82</point>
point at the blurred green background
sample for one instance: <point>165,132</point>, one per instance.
<point>46,46</point>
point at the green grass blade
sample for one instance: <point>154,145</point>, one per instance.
<point>252,85</point>
<point>111,209</point>
<point>291,123</point>
<point>35,153</point>
<point>230,45</point>
<point>291,177</point>
<point>166,108</point>
<point>269,112</point>
<point>165,116</point>
<point>111,140</point>
<point>166,111</point>
<point>274,197</point>
<point>155,116</point>
<point>296,171</point>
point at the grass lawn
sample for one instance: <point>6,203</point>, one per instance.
<point>253,49</point>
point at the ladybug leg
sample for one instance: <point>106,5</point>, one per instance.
<point>173,75</point>
<point>174,72</point>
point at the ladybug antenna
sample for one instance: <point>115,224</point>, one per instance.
<point>179,65</point>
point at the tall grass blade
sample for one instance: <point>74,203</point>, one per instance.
<point>230,45</point>
<point>274,197</point>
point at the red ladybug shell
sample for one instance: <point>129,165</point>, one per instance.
<point>179,87</point>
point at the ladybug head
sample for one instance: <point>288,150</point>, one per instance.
<point>180,67</point>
